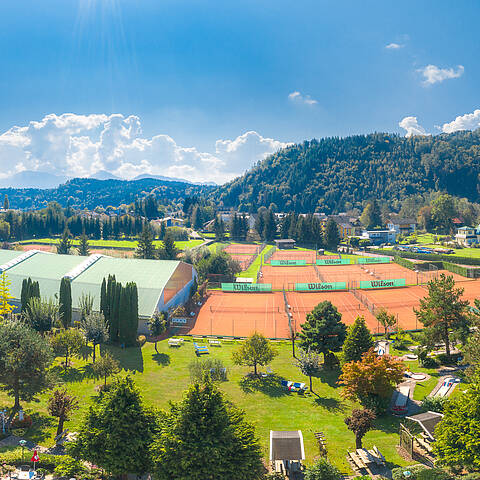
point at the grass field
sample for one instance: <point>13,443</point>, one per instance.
<point>164,376</point>
<point>181,245</point>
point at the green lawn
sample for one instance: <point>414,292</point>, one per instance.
<point>181,245</point>
<point>164,376</point>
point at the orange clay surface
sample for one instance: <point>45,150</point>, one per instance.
<point>243,260</point>
<point>248,249</point>
<point>240,314</point>
<point>286,277</point>
<point>347,304</point>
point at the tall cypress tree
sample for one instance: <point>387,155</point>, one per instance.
<point>29,289</point>
<point>123,316</point>
<point>65,302</point>
<point>83,249</point>
<point>103,299</point>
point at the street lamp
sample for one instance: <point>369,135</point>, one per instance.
<point>22,443</point>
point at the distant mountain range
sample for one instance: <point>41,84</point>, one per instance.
<point>36,179</point>
<point>91,192</point>
<point>335,174</point>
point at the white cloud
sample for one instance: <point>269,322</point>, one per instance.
<point>469,121</point>
<point>410,124</point>
<point>81,145</point>
<point>394,46</point>
<point>433,74</point>
<point>300,98</point>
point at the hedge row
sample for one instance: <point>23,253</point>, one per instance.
<point>404,262</point>
<point>458,269</point>
<point>434,257</point>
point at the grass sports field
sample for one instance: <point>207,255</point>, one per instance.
<point>128,244</point>
<point>164,376</point>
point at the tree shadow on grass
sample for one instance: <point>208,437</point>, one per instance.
<point>71,375</point>
<point>130,359</point>
<point>388,423</point>
<point>41,427</point>
<point>328,376</point>
<point>330,404</point>
<point>162,359</point>
<point>269,385</point>
<point>86,352</point>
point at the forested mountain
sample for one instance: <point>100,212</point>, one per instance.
<point>90,193</point>
<point>335,174</point>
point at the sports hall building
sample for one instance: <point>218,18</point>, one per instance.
<point>161,283</point>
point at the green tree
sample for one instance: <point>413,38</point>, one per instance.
<point>360,422</point>
<point>309,364</point>
<point>6,203</point>
<point>219,228</point>
<point>255,350</point>
<point>95,330</point>
<point>322,469</point>
<point>443,211</point>
<point>331,237</point>
<point>85,304</point>
<point>42,315</point>
<point>323,331</point>
<point>65,302</point>
<point>64,246</point>
<point>270,226</point>
<point>218,264</point>
<point>6,308</point>
<point>358,341</point>
<point>372,380</point>
<point>61,405</point>
<point>456,436</point>
<point>67,343</point>
<point>117,432</point>
<point>29,289</point>
<point>24,360</point>
<point>386,320</point>
<point>443,311</point>
<point>157,325</point>
<point>105,367</point>
<point>145,247</point>
<point>371,216</point>
<point>83,247</point>
<point>168,251</point>
<point>206,422</point>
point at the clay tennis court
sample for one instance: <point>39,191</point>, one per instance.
<point>241,248</point>
<point>471,290</point>
<point>347,304</point>
<point>243,260</point>
<point>400,302</point>
<point>286,277</point>
<point>241,314</point>
<point>307,255</point>
<point>351,274</point>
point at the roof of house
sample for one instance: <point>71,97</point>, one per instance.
<point>428,421</point>
<point>286,445</point>
<point>151,276</point>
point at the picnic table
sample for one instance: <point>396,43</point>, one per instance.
<point>175,342</point>
<point>215,343</point>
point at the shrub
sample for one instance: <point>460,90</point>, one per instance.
<point>212,367</point>
<point>274,476</point>
<point>14,457</point>
<point>141,340</point>
<point>69,467</point>
<point>433,404</point>
<point>25,423</point>
<point>433,474</point>
<point>420,472</point>
<point>445,359</point>
<point>322,470</point>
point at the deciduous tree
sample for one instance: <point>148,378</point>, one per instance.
<point>61,405</point>
<point>309,364</point>
<point>360,422</point>
<point>255,350</point>
<point>157,325</point>
<point>372,380</point>
<point>24,360</point>
<point>386,320</point>
<point>68,343</point>
<point>95,330</point>
<point>106,366</point>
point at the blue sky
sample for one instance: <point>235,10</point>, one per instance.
<point>196,72</point>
